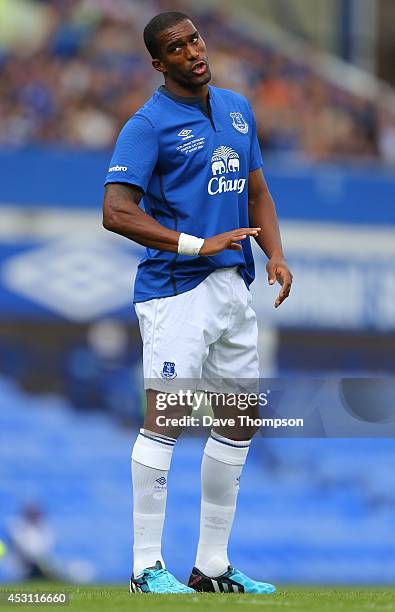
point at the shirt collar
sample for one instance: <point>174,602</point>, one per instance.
<point>191,100</point>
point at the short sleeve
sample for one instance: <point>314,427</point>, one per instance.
<point>135,154</point>
<point>255,150</point>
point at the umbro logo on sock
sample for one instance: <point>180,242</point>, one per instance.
<point>162,480</point>
<point>216,520</point>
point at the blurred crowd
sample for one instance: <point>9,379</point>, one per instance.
<point>73,71</point>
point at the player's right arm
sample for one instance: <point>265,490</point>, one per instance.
<point>122,215</point>
<point>134,159</point>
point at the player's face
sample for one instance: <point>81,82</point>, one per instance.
<point>183,56</point>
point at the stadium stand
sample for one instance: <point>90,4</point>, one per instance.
<point>86,71</point>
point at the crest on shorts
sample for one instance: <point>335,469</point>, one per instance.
<point>239,123</point>
<point>168,370</point>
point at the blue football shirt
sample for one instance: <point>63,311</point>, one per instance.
<point>192,162</point>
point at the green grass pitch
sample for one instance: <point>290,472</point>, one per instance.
<point>117,599</point>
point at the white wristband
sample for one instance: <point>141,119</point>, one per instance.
<point>189,245</point>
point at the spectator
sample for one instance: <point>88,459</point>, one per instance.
<point>31,541</point>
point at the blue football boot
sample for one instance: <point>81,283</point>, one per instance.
<point>232,581</point>
<point>157,579</point>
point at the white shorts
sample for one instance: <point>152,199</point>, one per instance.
<point>203,335</point>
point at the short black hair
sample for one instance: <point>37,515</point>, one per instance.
<point>160,22</point>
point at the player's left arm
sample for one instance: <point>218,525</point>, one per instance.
<point>262,213</point>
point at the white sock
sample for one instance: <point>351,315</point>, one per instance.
<point>151,458</point>
<point>222,464</point>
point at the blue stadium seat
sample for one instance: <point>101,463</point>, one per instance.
<point>309,510</point>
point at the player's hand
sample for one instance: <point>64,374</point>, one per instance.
<point>277,270</point>
<point>228,240</point>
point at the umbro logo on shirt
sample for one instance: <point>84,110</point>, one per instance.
<point>185,134</point>
<point>118,169</point>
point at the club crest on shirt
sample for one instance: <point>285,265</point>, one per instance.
<point>168,370</point>
<point>239,123</point>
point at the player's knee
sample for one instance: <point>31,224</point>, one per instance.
<point>170,423</point>
<point>164,417</point>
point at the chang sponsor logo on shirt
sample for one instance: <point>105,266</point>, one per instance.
<point>118,169</point>
<point>223,162</point>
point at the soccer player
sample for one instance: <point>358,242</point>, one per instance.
<point>191,155</point>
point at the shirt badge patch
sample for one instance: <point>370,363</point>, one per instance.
<point>239,123</point>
